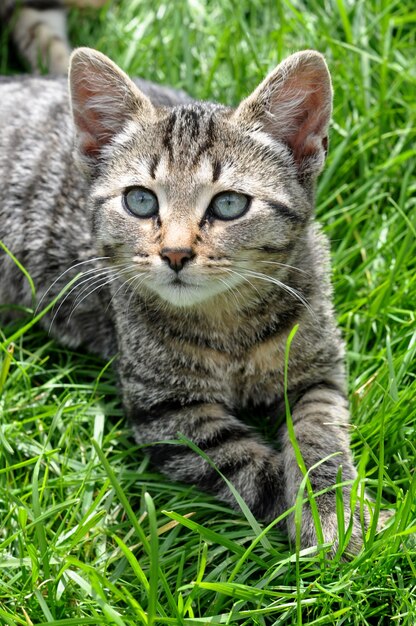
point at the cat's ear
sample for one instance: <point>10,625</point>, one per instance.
<point>103,100</point>
<point>293,105</point>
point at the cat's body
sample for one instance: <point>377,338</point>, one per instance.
<point>198,304</point>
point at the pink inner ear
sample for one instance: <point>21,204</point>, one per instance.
<point>308,116</point>
<point>293,106</point>
<point>89,146</point>
<point>104,100</point>
<point>93,132</point>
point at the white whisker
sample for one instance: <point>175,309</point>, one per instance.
<point>275,281</point>
<point>231,290</point>
<point>244,278</point>
<point>282,265</point>
<point>121,286</point>
<point>291,290</point>
<point>98,277</point>
<point>102,283</point>
<point>286,265</point>
<point>93,275</point>
<point>135,288</point>
<point>98,258</point>
<point>76,286</point>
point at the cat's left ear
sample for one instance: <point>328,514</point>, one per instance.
<point>293,104</point>
<point>103,100</point>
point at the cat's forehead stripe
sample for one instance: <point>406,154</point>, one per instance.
<point>189,132</point>
<point>189,122</point>
<point>155,160</point>
<point>168,138</point>
<point>216,171</point>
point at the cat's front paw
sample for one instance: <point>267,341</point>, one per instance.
<point>354,529</point>
<point>330,531</point>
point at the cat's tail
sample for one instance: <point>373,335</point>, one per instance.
<point>39,31</point>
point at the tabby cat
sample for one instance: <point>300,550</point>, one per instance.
<point>193,226</point>
<point>39,30</point>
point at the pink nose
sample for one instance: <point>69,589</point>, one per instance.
<point>176,257</point>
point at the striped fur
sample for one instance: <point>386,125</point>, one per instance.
<point>201,347</point>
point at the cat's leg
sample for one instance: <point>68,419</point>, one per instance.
<point>82,4</point>
<point>40,36</point>
<point>320,421</point>
<point>254,468</point>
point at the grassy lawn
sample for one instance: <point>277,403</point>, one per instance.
<point>89,533</point>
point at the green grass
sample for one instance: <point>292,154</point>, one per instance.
<point>89,533</point>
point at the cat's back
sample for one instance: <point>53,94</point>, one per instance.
<point>22,93</point>
<point>43,221</point>
<point>35,132</point>
<point>36,164</point>
<point>32,109</point>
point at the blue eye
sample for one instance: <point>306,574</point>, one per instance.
<point>229,205</point>
<point>141,202</point>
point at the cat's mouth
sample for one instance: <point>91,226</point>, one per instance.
<point>177,281</point>
<point>188,287</point>
<point>182,291</point>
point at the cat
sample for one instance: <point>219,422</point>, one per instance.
<point>39,30</point>
<point>193,226</point>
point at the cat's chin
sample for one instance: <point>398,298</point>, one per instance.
<point>185,295</point>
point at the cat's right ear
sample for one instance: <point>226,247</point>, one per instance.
<point>293,105</point>
<point>103,100</point>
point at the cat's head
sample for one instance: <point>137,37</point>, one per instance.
<point>200,199</point>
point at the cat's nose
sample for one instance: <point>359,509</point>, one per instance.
<point>176,257</point>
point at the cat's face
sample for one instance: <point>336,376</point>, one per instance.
<point>198,200</point>
<point>191,204</point>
